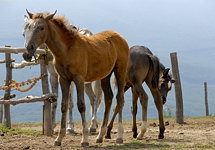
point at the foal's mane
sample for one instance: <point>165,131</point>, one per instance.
<point>61,22</point>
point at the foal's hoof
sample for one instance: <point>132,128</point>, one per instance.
<point>139,138</point>
<point>119,140</point>
<point>84,144</point>
<point>108,136</point>
<point>135,135</point>
<point>57,143</point>
<point>70,131</point>
<point>92,131</point>
<point>160,136</point>
<point>99,140</point>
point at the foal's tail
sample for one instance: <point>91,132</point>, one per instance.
<point>155,63</point>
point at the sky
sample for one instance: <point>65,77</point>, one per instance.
<point>165,26</point>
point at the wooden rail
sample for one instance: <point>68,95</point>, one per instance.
<point>45,87</point>
<point>19,50</point>
<point>51,97</point>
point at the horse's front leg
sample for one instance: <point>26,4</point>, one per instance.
<point>159,105</point>
<point>70,124</point>
<point>64,106</point>
<point>79,82</point>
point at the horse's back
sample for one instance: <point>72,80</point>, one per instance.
<point>105,50</point>
<point>138,63</point>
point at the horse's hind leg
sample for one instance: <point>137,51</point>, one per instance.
<point>54,86</point>
<point>108,95</point>
<point>134,112</point>
<point>70,124</point>
<point>64,106</point>
<point>110,126</point>
<point>120,78</point>
<point>92,97</point>
<point>144,102</point>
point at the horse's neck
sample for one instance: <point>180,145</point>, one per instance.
<point>54,41</point>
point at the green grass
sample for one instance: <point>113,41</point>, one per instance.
<point>15,131</point>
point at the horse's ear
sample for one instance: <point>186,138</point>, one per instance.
<point>26,19</point>
<point>29,14</point>
<point>50,16</point>
<point>165,72</point>
<point>173,80</point>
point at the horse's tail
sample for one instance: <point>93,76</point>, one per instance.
<point>155,63</point>
<point>127,83</point>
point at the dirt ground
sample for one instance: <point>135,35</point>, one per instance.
<point>196,133</point>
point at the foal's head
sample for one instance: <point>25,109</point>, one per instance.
<point>165,83</point>
<point>36,30</point>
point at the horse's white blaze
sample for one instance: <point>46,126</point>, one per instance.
<point>169,85</point>
<point>142,130</point>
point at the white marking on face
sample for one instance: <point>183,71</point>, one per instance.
<point>169,85</point>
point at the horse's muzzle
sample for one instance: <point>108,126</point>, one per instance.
<point>31,49</point>
<point>164,99</point>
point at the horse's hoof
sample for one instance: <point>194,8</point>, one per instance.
<point>160,136</point>
<point>99,140</point>
<point>135,135</point>
<point>57,143</point>
<point>70,131</point>
<point>119,140</point>
<point>84,144</point>
<point>139,138</point>
<point>108,136</point>
<point>92,131</point>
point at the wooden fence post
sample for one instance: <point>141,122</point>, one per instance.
<point>178,90</point>
<point>1,113</point>
<point>7,91</point>
<point>206,99</point>
<point>47,105</point>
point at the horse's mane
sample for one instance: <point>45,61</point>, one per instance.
<point>61,22</point>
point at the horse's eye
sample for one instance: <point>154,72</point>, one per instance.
<point>40,28</point>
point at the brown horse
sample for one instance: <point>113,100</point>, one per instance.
<point>80,58</point>
<point>143,66</point>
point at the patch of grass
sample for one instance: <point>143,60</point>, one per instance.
<point>15,131</point>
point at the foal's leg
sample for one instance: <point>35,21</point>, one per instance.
<point>134,112</point>
<point>144,102</point>
<point>110,126</point>
<point>98,94</point>
<point>54,86</point>
<point>92,97</point>
<point>120,78</point>
<point>79,82</point>
<point>159,105</point>
<point>64,106</point>
<point>108,95</point>
<point>70,124</point>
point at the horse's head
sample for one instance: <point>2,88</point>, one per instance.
<point>36,30</point>
<point>165,83</point>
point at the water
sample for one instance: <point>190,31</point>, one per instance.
<point>187,27</point>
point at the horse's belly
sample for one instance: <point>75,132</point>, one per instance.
<point>99,72</point>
